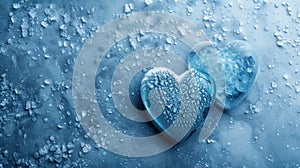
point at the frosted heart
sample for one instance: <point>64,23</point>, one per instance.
<point>168,97</point>
<point>240,70</point>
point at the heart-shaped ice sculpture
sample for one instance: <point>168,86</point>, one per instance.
<point>240,70</point>
<point>169,97</point>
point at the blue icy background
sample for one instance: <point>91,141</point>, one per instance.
<point>39,44</point>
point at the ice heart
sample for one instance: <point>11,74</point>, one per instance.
<point>168,97</point>
<point>240,70</point>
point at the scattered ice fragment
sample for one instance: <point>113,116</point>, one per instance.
<point>169,40</point>
<point>24,28</point>
<point>189,10</point>
<point>62,27</point>
<point>4,102</point>
<point>280,43</point>
<point>128,7</point>
<point>285,76</point>
<point>205,18</point>
<point>16,5</point>
<point>52,138</point>
<point>266,29</point>
<point>273,85</point>
<point>32,13</point>
<point>43,151</point>
<point>60,106</point>
<point>86,147</point>
<point>289,10</point>
<point>148,2</point>
<point>45,120</point>
<point>70,145</point>
<point>28,105</point>
<point>91,11</point>
<point>59,126</point>
<point>33,105</point>
<point>44,49</point>
<point>182,30</point>
<point>44,24</point>
<point>66,18</point>
<point>47,81</point>
<point>132,42</point>
<point>209,141</point>
<point>12,19</point>
<point>83,19</point>
<point>297,90</point>
<point>46,56</point>
<point>5,153</point>
<point>218,37</point>
<point>239,30</point>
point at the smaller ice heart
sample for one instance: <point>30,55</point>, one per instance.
<point>169,97</point>
<point>240,70</point>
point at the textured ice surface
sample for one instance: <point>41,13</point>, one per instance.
<point>39,126</point>
<point>168,94</point>
<point>240,70</point>
<point>240,64</point>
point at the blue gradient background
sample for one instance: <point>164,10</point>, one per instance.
<point>38,125</point>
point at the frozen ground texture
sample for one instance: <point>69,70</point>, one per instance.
<point>39,44</point>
